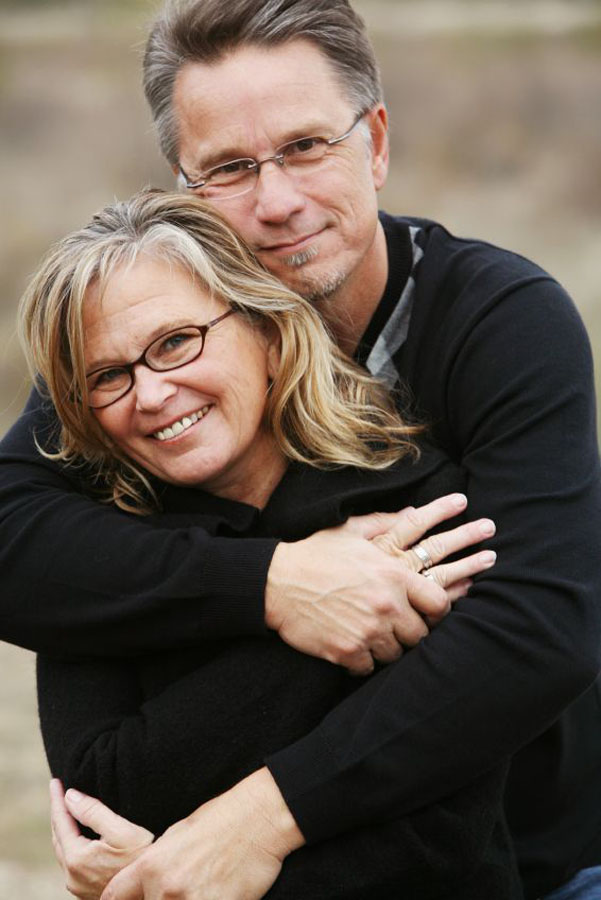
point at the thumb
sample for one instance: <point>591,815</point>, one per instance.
<point>114,829</point>
<point>371,525</point>
<point>126,885</point>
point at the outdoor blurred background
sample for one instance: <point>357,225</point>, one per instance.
<point>496,131</point>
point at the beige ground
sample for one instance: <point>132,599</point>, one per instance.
<point>496,126</point>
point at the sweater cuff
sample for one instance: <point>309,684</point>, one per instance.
<point>233,581</point>
<point>305,772</point>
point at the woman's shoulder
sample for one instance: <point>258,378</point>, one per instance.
<point>308,499</point>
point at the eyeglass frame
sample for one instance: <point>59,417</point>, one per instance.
<point>278,157</point>
<point>141,360</point>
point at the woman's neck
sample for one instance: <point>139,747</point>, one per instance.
<point>255,483</point>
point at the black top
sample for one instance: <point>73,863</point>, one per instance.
<point>497,360</point>
<point>157,736</point>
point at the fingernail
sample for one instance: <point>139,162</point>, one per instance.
<point>459,500</point>
<point>488,558</point>
<point>487,527</point>
<point>73,795</point>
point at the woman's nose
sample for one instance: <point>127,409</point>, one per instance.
<point>152,389</point>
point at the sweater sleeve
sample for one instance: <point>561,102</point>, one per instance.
<point>510,391</point>
<point>82,578</point>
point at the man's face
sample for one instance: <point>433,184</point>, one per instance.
<point>318,232</point>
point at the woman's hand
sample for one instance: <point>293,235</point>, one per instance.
<point>88,864</point>
<point>231,848</point>
<point>354,594</point>
<point>404,541</point>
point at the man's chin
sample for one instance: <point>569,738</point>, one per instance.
<point>309,282</point>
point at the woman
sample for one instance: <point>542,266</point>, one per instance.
<point>233,410</point>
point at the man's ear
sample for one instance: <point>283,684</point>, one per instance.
<point>378,127</point>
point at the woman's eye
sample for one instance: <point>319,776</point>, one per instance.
<point>174,342</point>
<point>108,377</point>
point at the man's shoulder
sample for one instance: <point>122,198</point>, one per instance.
<point>463,278</point>
<point>446,256</point>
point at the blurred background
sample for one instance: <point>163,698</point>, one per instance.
<point>496,132</point>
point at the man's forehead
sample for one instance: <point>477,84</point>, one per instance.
<point>256,98</point>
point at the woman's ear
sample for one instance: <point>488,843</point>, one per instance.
<point>274,356</point>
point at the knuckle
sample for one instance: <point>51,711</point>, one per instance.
<point>385,606</point>
<point>346,650</point>
<point>439,603</point>
<point>414,517</point>
<point>435,546</point>
<point>171,886</point>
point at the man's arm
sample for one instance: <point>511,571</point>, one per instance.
<point>83,578</point>
<point>526,642</point>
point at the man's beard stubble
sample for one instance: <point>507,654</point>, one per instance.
<point>318,287</point>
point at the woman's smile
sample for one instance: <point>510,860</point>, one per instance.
<point>177,428</point>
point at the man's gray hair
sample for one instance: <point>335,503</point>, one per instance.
<point>205,30</point>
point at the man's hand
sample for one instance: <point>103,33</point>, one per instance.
<point>231,848</point>
<point>89,865</point>
<point>353,594</point>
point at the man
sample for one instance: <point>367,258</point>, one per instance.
<point>272,110</point>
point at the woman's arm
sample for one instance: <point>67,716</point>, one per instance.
<point>159,760</point>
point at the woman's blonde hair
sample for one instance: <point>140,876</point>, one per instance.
<point>322,408</point>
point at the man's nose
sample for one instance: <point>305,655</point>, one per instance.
<point>277,194</point>
<point>153,389</point>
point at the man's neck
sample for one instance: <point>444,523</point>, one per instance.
<point>349,311</point>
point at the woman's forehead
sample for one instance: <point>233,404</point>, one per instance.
<point>139,301</point>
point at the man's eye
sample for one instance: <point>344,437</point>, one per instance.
<point>305,150</point>
<point>305,145</point>
<point>230,171</point>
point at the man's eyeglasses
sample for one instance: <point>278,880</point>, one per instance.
<point>239,176</point>
<point>169,351</point>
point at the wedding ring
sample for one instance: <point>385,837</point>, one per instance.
<point>423,556</point>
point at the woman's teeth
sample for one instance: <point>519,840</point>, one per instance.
<point>182,425</point>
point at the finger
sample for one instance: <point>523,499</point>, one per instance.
<point>372,524</point>
<point>427,597</point>
<point>386,648</point>
<point>58,850</point>
<point>458,590</point>
<point>446,574</point>
<point>414,522</point>
<point>360,663</point>
<point>114,829</point>
<point>126,885</point>
<point>64,827</point>
<point>439,546</point>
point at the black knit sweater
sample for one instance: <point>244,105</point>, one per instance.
<point>157,736</point>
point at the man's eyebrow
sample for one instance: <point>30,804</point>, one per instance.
<point>106,362</point>
<point>223,155</point>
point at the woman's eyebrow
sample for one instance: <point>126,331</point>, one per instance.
<point>110,361</point>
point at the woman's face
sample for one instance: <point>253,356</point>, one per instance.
<point>227,448</point>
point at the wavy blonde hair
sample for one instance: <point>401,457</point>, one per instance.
<point>322,408</point>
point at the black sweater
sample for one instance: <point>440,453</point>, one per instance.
<point>497,360</point>
<point>155,737</point>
